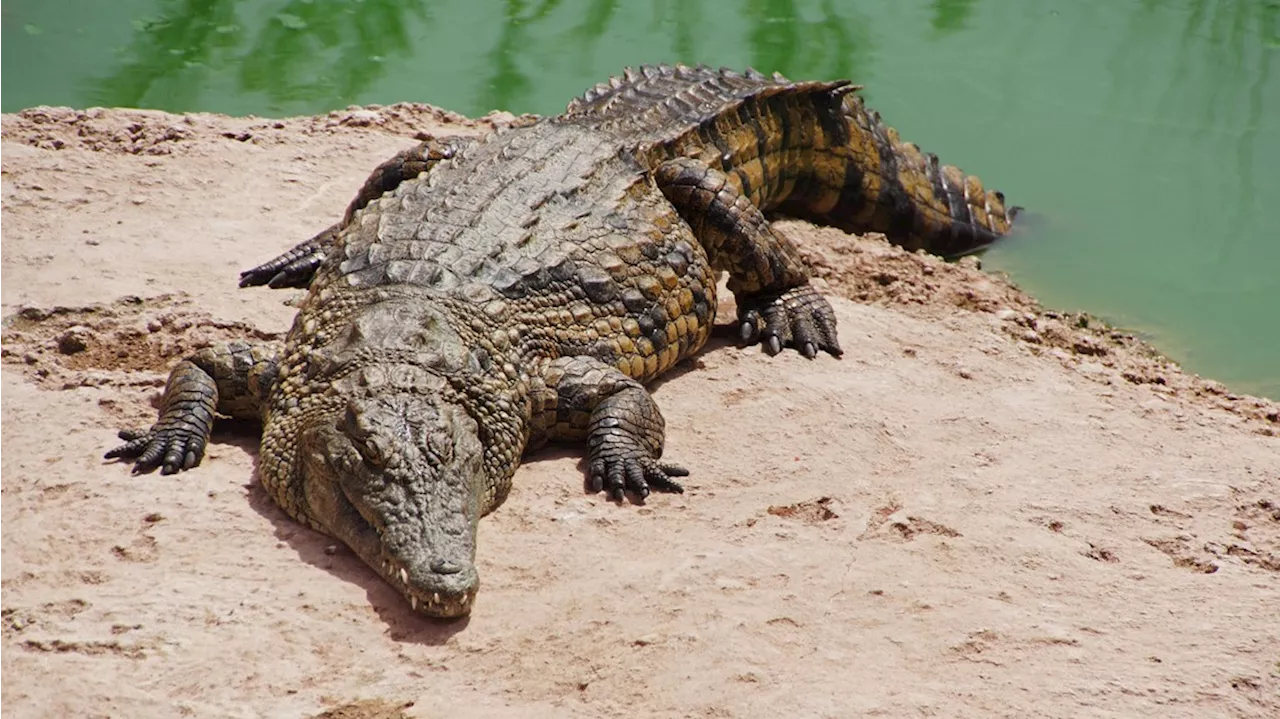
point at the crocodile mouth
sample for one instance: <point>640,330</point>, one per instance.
<point>434,584</point>
<point>410,481</point>
<point>448,590</point>
<point>425,570</point>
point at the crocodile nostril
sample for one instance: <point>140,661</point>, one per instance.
<point>446,566</point>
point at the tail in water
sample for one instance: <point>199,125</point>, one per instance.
<point>806,149</point>
<point>890,186</point>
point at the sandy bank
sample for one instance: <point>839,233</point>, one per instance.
<point>983,509</point>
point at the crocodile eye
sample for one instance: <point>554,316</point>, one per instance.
<point>375,451</point>
<point>379,452</point>
<point>361,425</point>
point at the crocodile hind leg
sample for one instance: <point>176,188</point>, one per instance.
<point>584,398</point>
<point>296,267</point>
<point>776,304</point>
<point>231,379</point>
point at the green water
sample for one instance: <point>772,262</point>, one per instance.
<point>1145,134</point>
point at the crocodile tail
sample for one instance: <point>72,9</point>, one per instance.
<point>805,149</point>
<point>890,186</point>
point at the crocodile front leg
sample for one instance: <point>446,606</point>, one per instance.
<point>584,398</point>
<point>297,266</point>
<point>776,304</point>
<point>232,379</point>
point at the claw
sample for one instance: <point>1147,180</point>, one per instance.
<point>634,472</point>
<point>635,480</point>
<point>662,479</point>
<point>799,318</point>
<point>135,441</point>
<point>295,267</point>
<point>595,479</point>
<point>172,450</point>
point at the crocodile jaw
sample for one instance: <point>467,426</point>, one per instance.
<point>436,596</point>
<point>398,480</point>
<point>428,556</point>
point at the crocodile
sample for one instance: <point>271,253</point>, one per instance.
<point>483,297</point>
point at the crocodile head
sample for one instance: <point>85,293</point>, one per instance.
<point>398,478</point>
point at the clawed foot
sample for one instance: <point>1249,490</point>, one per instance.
<point>619,464</point>
<point>171,448</point>
<point>800,318</point>
<point>294,268</point>
<point>297,273</point>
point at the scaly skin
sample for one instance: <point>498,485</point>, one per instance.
<point>483,299</point>
<point>296,267</point>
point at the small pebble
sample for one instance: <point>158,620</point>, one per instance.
<point>361,118</point>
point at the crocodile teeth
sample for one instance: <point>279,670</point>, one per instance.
<point>413,602</point>
<point>435,597</point>
<point>404,575</point>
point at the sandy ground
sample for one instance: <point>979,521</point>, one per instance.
<point>982,510</point>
